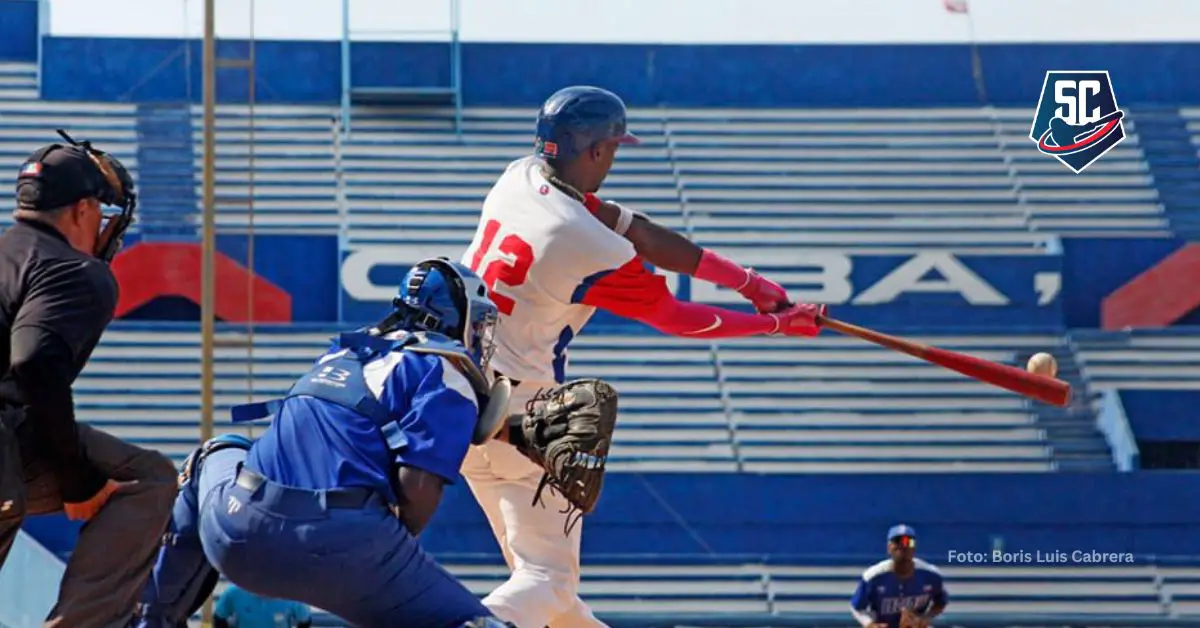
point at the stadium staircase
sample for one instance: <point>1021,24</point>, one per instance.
<point>1078,444</point>
<point>166,187</point>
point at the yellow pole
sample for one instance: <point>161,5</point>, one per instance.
<point>250,244</point>
<point>209,240</point>
<point>207,290</point>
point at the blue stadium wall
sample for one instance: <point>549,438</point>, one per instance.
<point>830,516</point>
<point>169,70</point>
<point>645,75</point>
<point>1005,294</point>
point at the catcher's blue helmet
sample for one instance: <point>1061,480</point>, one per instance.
<point>444,297</point>
<point>575,118</point>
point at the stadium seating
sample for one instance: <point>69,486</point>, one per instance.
<point>887,179</point>
<point>143,386</point>
<point>1170,140</point>
<point>877,180</point>
<point>275,168</point>
<point>1150,358</point>
<point>766,405</point>
<point>1181,589</point>
<point>410,180</point>
<point>839,404</point>
<point>732,587</point>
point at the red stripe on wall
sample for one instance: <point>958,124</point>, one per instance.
<point>147,271</point>
<point>1158,297</point>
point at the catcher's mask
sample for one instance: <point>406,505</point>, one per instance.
<point>445,297</point>
<point>58,175</point>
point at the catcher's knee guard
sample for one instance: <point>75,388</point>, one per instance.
<point>183,578</point>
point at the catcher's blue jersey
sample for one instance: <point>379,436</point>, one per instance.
<point>882,595</point>
<point>316,444</point>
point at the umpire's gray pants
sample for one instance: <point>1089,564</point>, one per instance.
<point>117,548</point>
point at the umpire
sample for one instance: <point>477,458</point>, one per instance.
<point>57,295</point>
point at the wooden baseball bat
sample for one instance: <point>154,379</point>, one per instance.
<point>1045,389</point>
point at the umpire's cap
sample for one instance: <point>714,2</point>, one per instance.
<point>575,118</point>
<point>57,175</point>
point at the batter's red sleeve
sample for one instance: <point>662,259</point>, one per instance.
<point>632,291</point>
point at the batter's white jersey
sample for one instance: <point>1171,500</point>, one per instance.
<point>549,263</point>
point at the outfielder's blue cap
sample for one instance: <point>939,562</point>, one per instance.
<point>901,530</point>
<point>575,118</point>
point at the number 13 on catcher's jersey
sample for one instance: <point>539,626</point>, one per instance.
<point>500,270</point>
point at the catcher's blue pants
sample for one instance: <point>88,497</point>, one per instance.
<point>342,551</point>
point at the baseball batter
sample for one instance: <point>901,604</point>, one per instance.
<point>552,252</point>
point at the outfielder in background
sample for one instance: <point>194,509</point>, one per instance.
<point>902,591</point>
<point>552,252</point>
<point>325,507</point>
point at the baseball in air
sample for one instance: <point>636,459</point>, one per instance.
<point>1042,364</point>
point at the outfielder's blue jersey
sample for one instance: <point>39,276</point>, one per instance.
<point>882,595</point>
<point>316,444</point>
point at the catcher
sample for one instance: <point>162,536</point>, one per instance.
<point>902,591</point>
<point>326,507</point>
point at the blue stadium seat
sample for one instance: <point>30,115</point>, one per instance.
<point>852,179</point>
<point>823,405</point>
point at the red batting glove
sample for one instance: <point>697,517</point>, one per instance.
<point>766,295</point>
<point>799,320</point>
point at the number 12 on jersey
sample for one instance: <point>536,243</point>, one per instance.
<point>510,272</point>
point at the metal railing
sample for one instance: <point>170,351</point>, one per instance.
<point>454,44</point>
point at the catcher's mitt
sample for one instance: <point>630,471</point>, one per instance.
<point>568,431</point>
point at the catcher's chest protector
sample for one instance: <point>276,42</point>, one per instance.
<point>339,379</point>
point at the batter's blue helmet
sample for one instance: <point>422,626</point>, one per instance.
<point>575,118</point>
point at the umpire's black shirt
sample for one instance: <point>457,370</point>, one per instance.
<point>54,304</point>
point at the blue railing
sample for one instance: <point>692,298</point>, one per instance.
<point>1114,424</point>
<point>453,91</point>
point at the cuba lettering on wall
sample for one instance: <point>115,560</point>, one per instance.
<point>926,288</point>
<point>830,277</point>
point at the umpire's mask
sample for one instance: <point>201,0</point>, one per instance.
<point>58,175</point>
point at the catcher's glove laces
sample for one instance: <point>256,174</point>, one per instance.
<point>568,432</point>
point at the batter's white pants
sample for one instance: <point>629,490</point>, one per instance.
<point>543,589</point>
